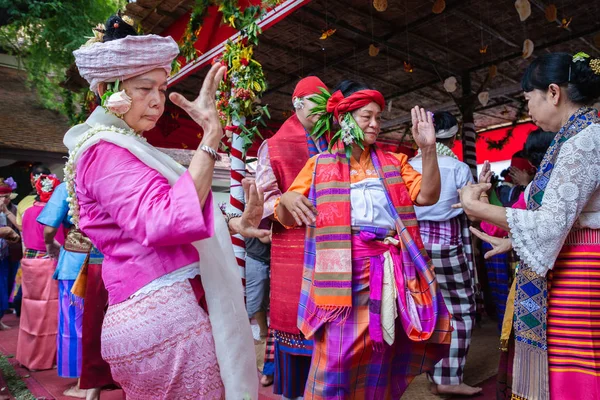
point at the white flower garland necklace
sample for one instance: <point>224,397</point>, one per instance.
<point>442,150</point>
<point>70,173</point>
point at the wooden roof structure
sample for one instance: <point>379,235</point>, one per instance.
<point>463,41</point>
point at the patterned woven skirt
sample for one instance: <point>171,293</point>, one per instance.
<point>68,340</point>
<point>345,364</point>
<point>451,255</point>
<point>160,346</point>
<point>574,320</point>
<point>498,270</point>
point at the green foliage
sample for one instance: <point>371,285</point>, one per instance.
<point>43,34</point>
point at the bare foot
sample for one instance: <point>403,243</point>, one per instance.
<point>461,390</point>
<point>75,392</point>
<point>266,380</point>
<point>93,394</point>
<point>3,326</point>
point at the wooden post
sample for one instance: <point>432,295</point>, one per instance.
<point>469,136</point>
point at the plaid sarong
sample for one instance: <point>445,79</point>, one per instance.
<point>449,246</point>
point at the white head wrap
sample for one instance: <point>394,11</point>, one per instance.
<point>124,58</point>
<point>447,133</point>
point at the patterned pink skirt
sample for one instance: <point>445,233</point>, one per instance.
<point>160,346</point>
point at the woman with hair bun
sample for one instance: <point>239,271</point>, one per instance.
<point>557,352</point>
<point>175,327</point>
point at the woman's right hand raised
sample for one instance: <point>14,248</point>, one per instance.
<point>300,207</point>
<point>203,109</point>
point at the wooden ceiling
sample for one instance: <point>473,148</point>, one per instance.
<point>438,46</point>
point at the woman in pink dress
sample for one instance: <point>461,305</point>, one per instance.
<point>169,268</point>
<point>36,344</point>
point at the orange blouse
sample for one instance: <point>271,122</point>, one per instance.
<point>359,171</point>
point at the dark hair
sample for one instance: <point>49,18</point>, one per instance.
<point>348,87</point>
<point>116,28</point>
<point>39,169</point>
<point>583,85</point>
<point>444,120</point>
<point>536,145</point>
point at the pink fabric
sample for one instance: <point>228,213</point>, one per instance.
<point>38,327</point>
<point>176,358</point>
<point>33,231</point>
<point>266,180</point>
<point>142,225</point>
<point>493,230</point>
<point>124,58</point>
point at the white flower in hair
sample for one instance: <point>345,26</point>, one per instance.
<point>347,136</point>
<point>47,185</point>
<point>118,103</point>
<point>298,103</point>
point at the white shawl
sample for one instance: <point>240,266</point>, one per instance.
<point>218,267</point>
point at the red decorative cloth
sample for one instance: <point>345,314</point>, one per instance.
<point>45,185</point>
<point>307,86</point>
<point>338,104</point>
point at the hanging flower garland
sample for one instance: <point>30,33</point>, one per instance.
<point>70,172</point>
<point>238,97</point>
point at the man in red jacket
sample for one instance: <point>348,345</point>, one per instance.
<point>280,159</point>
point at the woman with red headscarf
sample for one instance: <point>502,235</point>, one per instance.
<point>369,294</point>
<point>36,345</point>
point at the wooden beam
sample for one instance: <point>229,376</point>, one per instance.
<point>373,39</point>
<point>500,60</point>
<point>450,5</point>
<point>485,27</point>
<point>452,104</point>
<point>338,67</point>
<point>541,6</point>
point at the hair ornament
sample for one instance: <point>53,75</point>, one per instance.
<point>581,56</point>
<point>595,65</point>
<point>298,103</point>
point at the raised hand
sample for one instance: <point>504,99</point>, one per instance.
<point>203,109</point>
<point>499,245</point>
<point>485,176</point>
<point>423,129</point>
<point>519,176</point>
<point>253,212</point>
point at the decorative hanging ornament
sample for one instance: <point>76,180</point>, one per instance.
<point>439,6</point>
<point>493,71</point>
<point>380,5</point>
<point>483,49</point>
<point>327,33</point>
<point>523,8</point>
<point>551,13</point>
<point>564,23</point>
<point>528,47</point>
<point>408,67</point>
<point>450,84</point>
<point>373,50</point>
<point>484,98</point>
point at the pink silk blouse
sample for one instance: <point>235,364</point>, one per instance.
<point>142,225</point>
<point>33,231</point>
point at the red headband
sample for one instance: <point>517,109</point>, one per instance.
<point>338,104</point>
<point>308,86</point>
<point>45,192</point>
<point>5,189</point>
